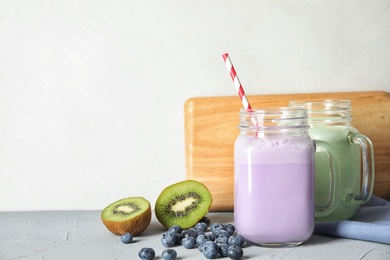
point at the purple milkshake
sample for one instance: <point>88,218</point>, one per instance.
<point>274,177</point>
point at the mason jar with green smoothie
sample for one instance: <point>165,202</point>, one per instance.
<point>330,121</point>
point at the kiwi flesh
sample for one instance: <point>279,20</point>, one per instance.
<point>183,204</point>
<point>131,215</point>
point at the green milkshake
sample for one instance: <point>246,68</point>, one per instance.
<point>330,121</point>
<point>349,159</point>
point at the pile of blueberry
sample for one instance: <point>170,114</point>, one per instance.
<point>215,240</point>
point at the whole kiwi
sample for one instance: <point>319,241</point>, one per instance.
<point>183,204</point>
<point>131,215</point>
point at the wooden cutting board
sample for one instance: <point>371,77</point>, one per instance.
<point>211,129</point>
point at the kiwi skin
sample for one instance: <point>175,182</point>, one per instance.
<point>134,225</point>
<point>184,191</point>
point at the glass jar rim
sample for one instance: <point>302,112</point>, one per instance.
<point>327,104</point>
<point>325,111</point>
<point>273,119</point>
<point>273,110</point>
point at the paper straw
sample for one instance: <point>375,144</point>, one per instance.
<point>240,89</point>
<point>236,81</point>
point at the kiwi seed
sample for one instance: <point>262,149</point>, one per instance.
<point>183,204</point>
<point>132,215</point>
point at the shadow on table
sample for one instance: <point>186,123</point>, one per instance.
<point>320,240</point>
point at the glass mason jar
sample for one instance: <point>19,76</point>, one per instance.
<point>274,177</point>
<point>330,121</point>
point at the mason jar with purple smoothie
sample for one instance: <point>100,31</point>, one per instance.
<point>274,177</point>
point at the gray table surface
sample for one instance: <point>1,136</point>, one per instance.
<point>82,235</point>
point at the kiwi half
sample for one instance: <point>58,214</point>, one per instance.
<point>183,203</point>
<point>131,215</point>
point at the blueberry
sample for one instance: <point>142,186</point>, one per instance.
<point>205,220</point>
<point>146,253</point>
<point>222,240</point>
<point>201,226</point>
<point>230,228</point>
<point>196,231</point>
<point>178,238</point>
<point>210,250</point>
<point>169,254</point>
<point>215,228</point>
<point>188,242</point>
<point>127,238</point>
<point>211,236</point>
<point>201,239</point>
<point>176,229</point>
<point>223,249</point>
<point>168,239</point>
<point>200,233</point>
<point>235,252</point>
<point>223,233</point>
<point>188,233</point>
<point>237,240</point>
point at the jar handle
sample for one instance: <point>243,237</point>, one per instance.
<point>368,165</point>
<point>334,177</point>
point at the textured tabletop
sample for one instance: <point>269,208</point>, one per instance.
<point>81,235</point>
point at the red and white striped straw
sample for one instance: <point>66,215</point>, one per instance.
<point>236,81</point>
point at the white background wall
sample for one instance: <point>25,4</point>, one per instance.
<point>92,92</point>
